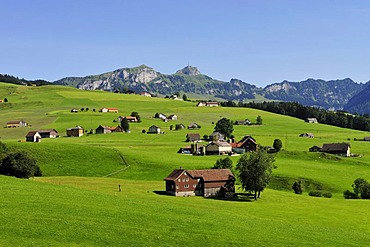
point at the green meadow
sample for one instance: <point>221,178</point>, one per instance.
<point>77,203</point>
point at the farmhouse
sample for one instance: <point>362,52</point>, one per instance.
<point>243,122</point>
<point>33,136</point>
<point>218,147</point>
<point>311,120</point>
<point>207,183</point>
<point>194,149</point>
<point>193,137</point>
<point>109,109</point>
<point>341,149</point>
<point>172,117</point>
<point>248,143</point>
<point>308,135</point>
<point>208,103</point>
<point>129,118</point>
<point>75,131</point>
<point>74,110</point>
<point>16,124</point>
<point>367,139</point>
<point>314,149</point>
<point>49,133</point>
<point>193,126</point>
<point>154,130</point>
<point>105,129</point>
<point>216,136</point>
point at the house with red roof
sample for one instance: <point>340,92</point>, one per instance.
<point>207,183</point>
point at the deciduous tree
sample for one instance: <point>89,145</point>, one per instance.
<point>226,163</point>
<point>224,126</point>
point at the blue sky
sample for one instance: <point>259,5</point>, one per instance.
<point>259,42</point>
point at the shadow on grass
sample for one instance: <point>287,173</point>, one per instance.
<point>238,197</point>
<point>161,193</point>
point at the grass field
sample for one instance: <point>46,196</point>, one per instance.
<point>77,203</point>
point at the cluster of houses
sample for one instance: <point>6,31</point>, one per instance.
<point>208,103</point>
<point>165,118</point>
<point>207,183</point>
<point>217,145</point>
<point>341,149</point>
<point>37,135</point>
<point>16,124</point>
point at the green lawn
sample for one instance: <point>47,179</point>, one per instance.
<point>77,204</point>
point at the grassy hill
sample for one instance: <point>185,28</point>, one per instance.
<point>77,202</point>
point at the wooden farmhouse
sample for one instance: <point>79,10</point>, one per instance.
<point>105,129</point>
<point>154,130</point>
<point>341,149</point>
<point>16,124</point>
<point>109,109</point>
<point>33,136</point>
<point>75,131</point>
<point>248,143</point>
<point>193,137</point>
<point>207,183</point>
<point>243,122</point>
<point>218,147</point>
<point>49,133</point>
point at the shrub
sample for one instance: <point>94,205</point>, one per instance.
<point>327,195</point>
<point>297,187</point>
<point>20,165</point>
<point>315,193</point>
<point>349,195</point>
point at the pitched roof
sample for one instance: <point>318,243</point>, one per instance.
<point>193,136</point>
<point>47,131</point>
<point>31,133</point>
<point>174,174</point>
<point>220,144</point>
<point>212,174</point>
<point>14,122</point>
<point>335,147</point>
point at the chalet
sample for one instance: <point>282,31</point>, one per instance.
<point>311,120</point>
<point>208,103</point>
<point>146,94</point>
<point>109,109</point>
<point>207,183</point>
<point>131,119</point>
<point>218,147</point>
<point>74,110</point>
<point>49,133</point>
<point>308,135</point>
<point>243,122</point>
<point>180,126</point>
<point>216,136</point>
<point>193,137</point>
<point>162,116</point>
<point>315,149</point>
<point>172,117</point>
<point>75,131</point>
<point>16,124</point>
<point>33,136</point>
<point>367,139</point>
<point>193,126</point>
<point>105,129</point>
<point>342,149</point>
<point>248,143</point>
<point>154,130</point>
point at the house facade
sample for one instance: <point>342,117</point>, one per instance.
<point>341,149</point>
<point>208,104</point>
<point>248,143</point>
<point>172,117</point>
<point>129,118</point>
<point>216,136</point>
<point>207,183</point>
<point>33,136</point>
<point>75,131</point>
<point>311,120</point>
<point>193,137</point>
<point>193,126</point>
<point>16,124</point>
<point>218,148</point>
<point>105,129</point>
<point>308,135</point>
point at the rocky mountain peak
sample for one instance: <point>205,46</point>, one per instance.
<point>189,70</point>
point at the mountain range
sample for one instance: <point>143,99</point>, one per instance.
<point>334,94</point>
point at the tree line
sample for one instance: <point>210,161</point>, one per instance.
<point>294,109</point>
<point>15,80</point>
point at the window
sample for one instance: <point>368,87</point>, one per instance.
<point>179,179</point>
<point>194,185</point>
<point>177,187</point>
<point>183,179</point>
<point>172,186</point>
<point>187,179</point>
<point>186,186</point>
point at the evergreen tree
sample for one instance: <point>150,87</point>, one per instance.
<point>125,125</point>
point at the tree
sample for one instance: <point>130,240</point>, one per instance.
<point>5,100</point>
<point>255,171</point>
<point>277,145</point>
<point>358,186</point>
<point>125,125</point>
<point>259,120</point>
<point>297,187</point>
<point>226,163</point>
<point>224,126</point>
<point>184,97</point>
<point>20,165</point>
<point>136,114</point>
